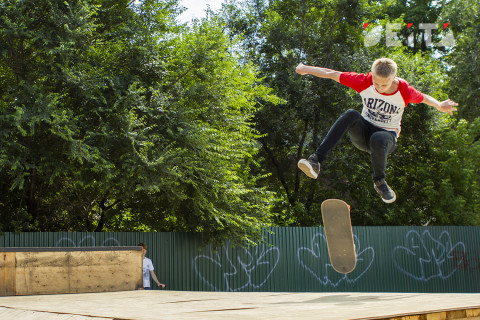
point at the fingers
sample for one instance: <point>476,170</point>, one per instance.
<point>451,102</point>
<point>448,106</point>
<point>451,110</point>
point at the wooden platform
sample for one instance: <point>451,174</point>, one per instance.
<point>152,305</point>
<point>33,271</point>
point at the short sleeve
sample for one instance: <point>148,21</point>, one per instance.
<point>410,94</point>
<point>356,81</point>
<point>414,95</point>
<point>150,265</point>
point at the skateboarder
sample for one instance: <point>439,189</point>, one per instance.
<point>376,129</point>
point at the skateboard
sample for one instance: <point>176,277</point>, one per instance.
<point>339,235</point>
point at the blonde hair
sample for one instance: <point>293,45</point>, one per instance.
<point>384,67</point>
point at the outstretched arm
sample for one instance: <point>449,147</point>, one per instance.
<point>447,106</point>
<point>154,277</point>
<point>318,72</point>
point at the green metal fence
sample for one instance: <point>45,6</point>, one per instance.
<point>390,259</point>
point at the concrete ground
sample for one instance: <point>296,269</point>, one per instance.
<point>152,305</point>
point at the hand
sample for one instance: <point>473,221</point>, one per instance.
<point>448,106</point>
<point>161,285</point>
<point>300,69</point>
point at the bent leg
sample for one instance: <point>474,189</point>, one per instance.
<point>381,144</point>
<point>349,120</point>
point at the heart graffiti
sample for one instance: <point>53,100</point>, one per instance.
<point>315,260</point>
<point>239,270</point>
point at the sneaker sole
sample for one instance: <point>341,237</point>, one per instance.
<point>391,200</point>
<point>387,200</point>
<point>307,169</point>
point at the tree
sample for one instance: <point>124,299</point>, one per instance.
<point>463,61</point>
<point>115,118</point>
<point>318,33</point>
<point>279,35</point>
<point>41,43</point>
<point>209,137</point>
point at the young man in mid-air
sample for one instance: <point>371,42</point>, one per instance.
<point>376,129</point>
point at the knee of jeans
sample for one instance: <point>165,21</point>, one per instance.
<point>378,142</point>
<point>352,113</point>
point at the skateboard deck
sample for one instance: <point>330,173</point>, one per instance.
<point>339,235</point>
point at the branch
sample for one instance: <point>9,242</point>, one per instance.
<point>103,218</point>
<point>279,171</point>
<point>299,155</point>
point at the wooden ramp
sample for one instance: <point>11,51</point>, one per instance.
<point>152,305</point>
<point>34,271</point>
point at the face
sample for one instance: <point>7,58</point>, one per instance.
<point>383,85</point>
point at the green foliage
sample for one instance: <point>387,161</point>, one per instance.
<point>115,118</point>
<point>209,140</point>
<point>277,37</point>
<point>464,73</point>
<point>330,34</point>
<point>441,187</point>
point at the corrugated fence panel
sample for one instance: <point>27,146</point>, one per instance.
<point>295,259</point>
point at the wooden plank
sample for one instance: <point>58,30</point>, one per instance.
<point>457,314</point>
<point>165,305</point>
<point>77,272</point>
<point>73,259</point>
<point>473,313</point>
<point>7,274</point>
<point>461,314</point>
<point>67,249</point>
<point>437,316</point>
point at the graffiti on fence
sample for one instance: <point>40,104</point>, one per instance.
<point>87,241</point>
<point>315,260</point>
<point>237,269</point>
<point>468,261</point>
<point>423,257</point>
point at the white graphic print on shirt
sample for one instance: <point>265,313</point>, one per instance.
<point>147,266</point>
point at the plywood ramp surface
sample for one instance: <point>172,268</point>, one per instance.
<point>12,314</point>
<point>152,305</point>
<point>76,272</point>
<point>69,270</point>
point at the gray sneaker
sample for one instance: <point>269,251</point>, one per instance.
<point>388,195</point>
<point>311,166</point>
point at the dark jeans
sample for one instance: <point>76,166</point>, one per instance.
<point>365,136</point>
